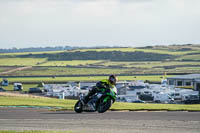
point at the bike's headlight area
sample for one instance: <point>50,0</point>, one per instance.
<point>114,89</point>
<point>99,95</point>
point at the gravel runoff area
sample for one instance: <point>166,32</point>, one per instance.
<point>110,122</point>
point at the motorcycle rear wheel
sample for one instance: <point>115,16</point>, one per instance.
<point>78,108</point>
<point>104,106</point>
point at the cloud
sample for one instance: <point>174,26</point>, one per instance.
<point>99,21</point>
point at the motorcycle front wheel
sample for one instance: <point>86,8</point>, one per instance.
<point>78,108</point>
<point>104,106</point>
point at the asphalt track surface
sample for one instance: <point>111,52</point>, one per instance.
<point>20,119</point>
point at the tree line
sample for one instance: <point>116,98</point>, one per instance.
<point>102,55</point>
<point>37,49</point>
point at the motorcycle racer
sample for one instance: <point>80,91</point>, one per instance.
<point>103,85</point>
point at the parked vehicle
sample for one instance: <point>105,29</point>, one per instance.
<point>34,90</point>
<point>176,96</point>
<point>138,101</point>
<point>100,102</point>
<point>129,98</point>
<point>85,87</point>
<point>163,98</point>
<point>191,98</point>
<point>5,82</point>
<point>18,87</point>
<point>146,97</point>
<point>2,90</point>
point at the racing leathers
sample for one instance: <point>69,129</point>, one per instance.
<point>103,85</point>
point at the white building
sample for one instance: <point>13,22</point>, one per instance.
<point>190,80</point>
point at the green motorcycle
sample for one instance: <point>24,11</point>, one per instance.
<point>100,101</point>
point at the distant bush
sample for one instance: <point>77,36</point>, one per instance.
<point>103,55</point>
<point>184,49</point>
<point>196,53</point>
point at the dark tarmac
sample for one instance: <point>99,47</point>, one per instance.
<point>20,119</point>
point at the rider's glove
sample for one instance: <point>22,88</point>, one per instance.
<point>107,91</point>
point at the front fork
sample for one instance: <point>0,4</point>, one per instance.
<point>82,98</point>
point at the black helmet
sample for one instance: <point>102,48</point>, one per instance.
<point>112,79</point>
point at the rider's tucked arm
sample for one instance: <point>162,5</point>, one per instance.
<point>102,85</point>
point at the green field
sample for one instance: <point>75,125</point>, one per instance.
<point>156,78</point>
<point>69,104</point>
<point>67,71</point>
<point>102,67</point>
<point>148,64</point>
<point>21,61</point>
<point>188,57</point>
<point>144,50</point>
<point>3,69</point>
<point>147,69</point>
<point>71,63</point>
<point>42,66</point>
<point>45,62</point>
<point>86,67</point>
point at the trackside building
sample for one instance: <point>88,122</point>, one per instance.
<point>188,81</point>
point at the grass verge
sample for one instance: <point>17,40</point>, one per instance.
<point>35,101</point>
<point>155,107</point>
<point>27,100</point>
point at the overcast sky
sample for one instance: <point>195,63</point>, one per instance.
<point>41,23</point>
